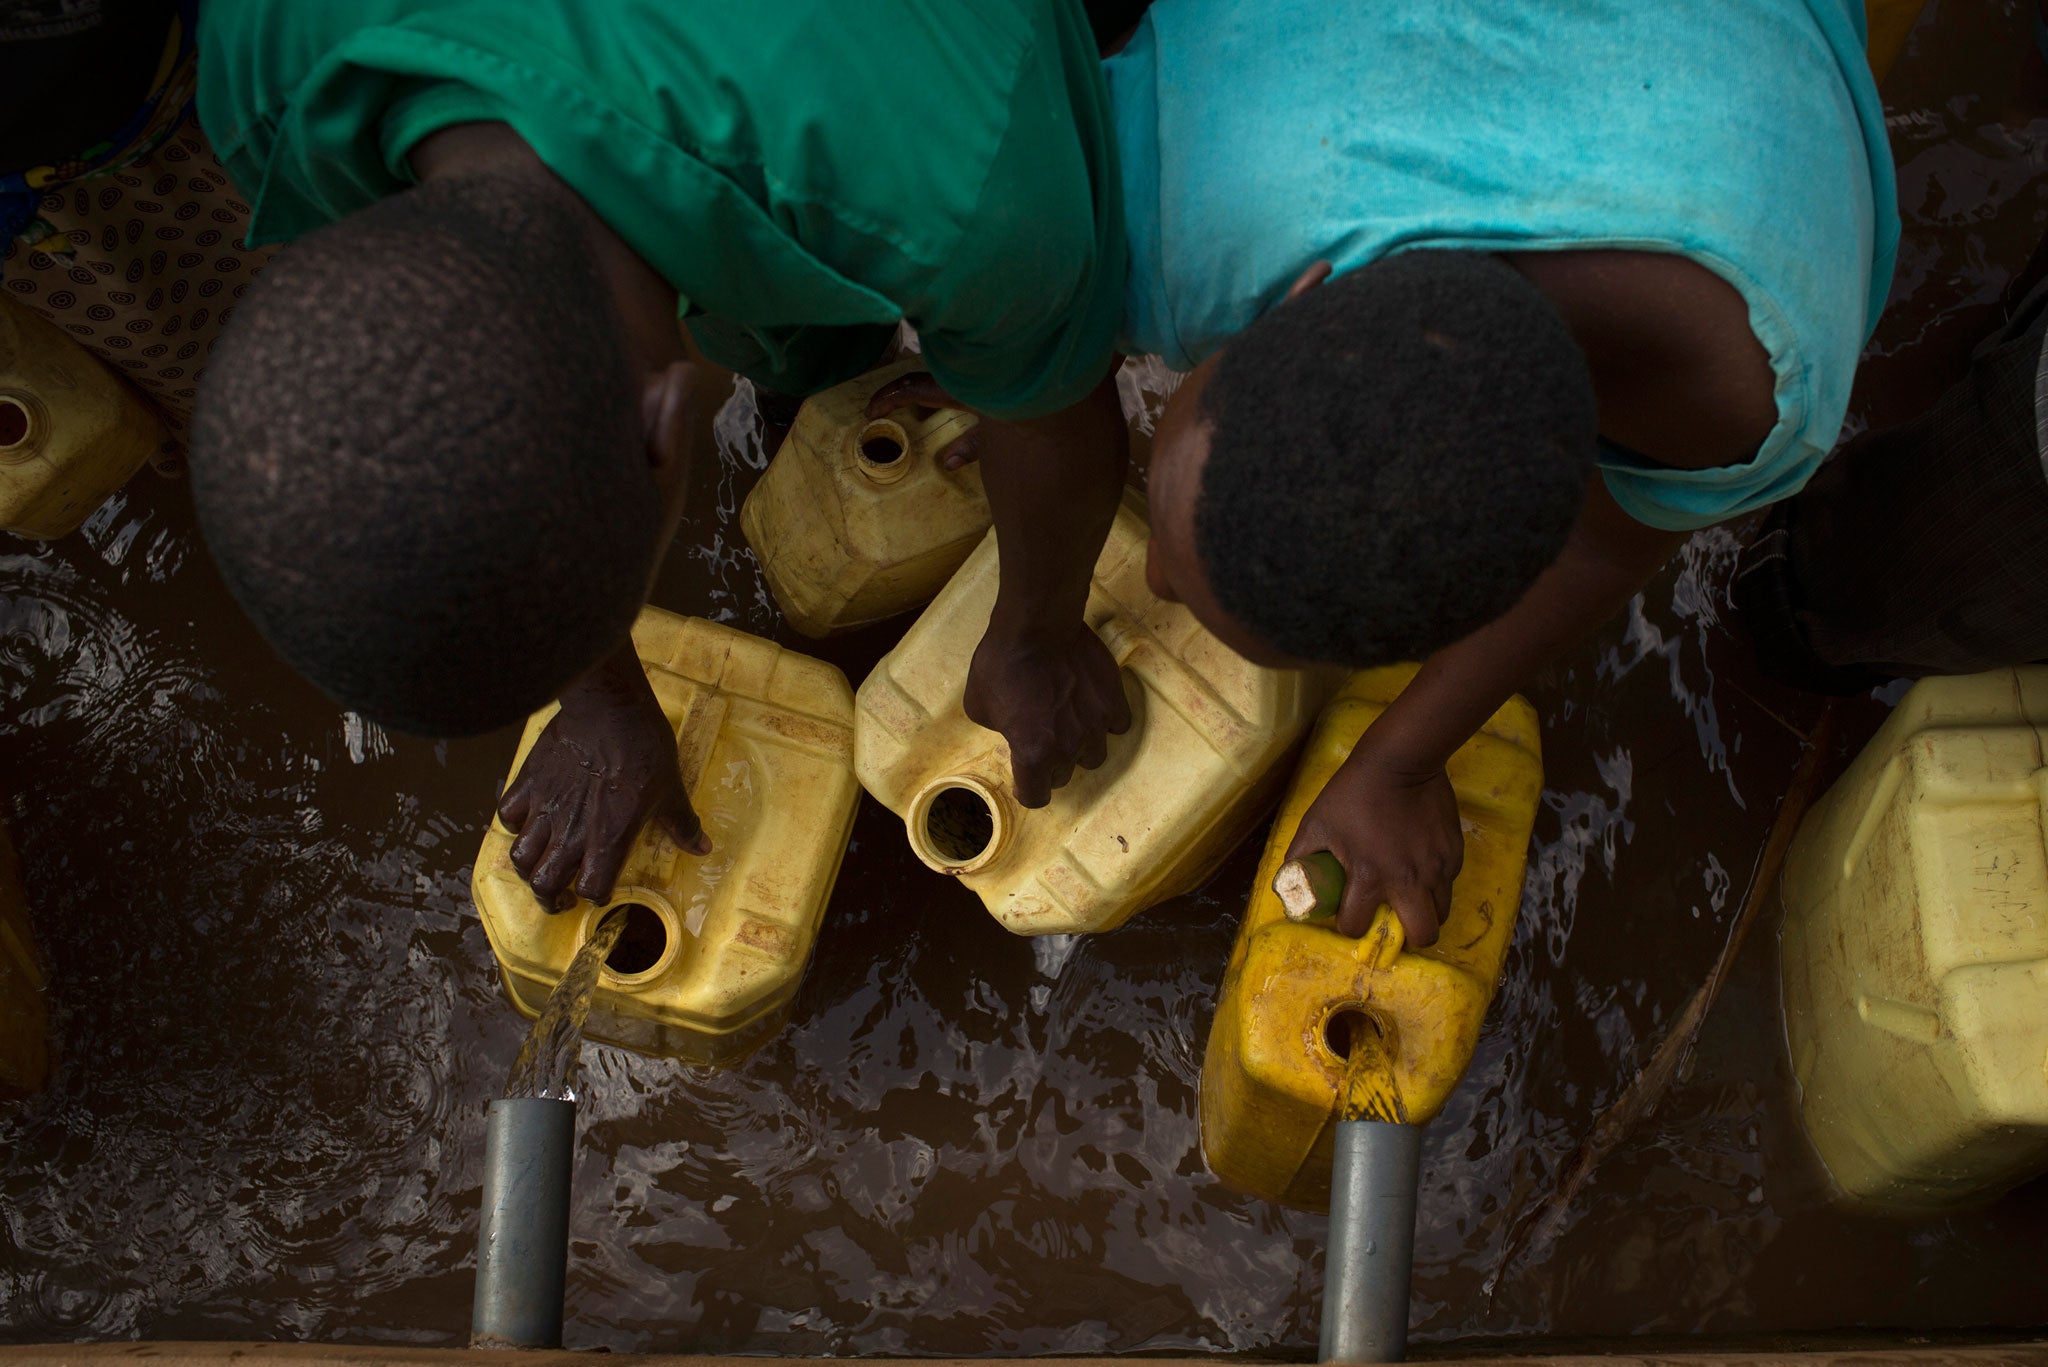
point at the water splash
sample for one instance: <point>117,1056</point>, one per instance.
<point>1143,386</point>
<point>546,1066</point>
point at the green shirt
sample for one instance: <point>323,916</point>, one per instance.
<point>806,173</point>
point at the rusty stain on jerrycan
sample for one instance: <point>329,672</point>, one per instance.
<point>854,520</point>
<point>1273,1078</point>
<point>765,741</point>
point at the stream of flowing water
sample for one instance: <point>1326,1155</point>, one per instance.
<point>546,1066</point>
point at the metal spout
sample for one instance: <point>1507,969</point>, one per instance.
<point>1372,1242</point>
<point>522,1252</point>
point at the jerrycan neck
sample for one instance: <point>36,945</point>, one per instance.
<point>960,823</point>
<point>648,946</point>
<point>881,450</point>
<point>884,450</point>
<point>23,423</point>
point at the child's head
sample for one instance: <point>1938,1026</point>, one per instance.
<point>420,457</point>
<point>1376,467</point>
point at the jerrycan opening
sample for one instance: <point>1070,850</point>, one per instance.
<point>956,825</point>
<point>1362,1045</point>
<point>880,449</point>
<point>14,423</point>
<point>641,944</point>
<point>1339,1029</point>
<point>646,947</point>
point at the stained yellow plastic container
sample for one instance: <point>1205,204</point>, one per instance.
<point>854,520</point>
<point>71,432</point>
<point>1273,1072</point>
<point>1202,761</point>
<point>24,1018</point>
<point>765,739</point>
<point>1916,950</point>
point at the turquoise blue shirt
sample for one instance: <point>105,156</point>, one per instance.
<point>1258,138</point>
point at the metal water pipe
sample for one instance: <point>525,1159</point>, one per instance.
<point>1377,1164</point>
<point>522,1254</point>
<point>1367,1268</point>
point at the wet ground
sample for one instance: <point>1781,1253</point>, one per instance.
<point>279,1022</point>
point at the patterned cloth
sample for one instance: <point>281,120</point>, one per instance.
<point>134,245</point>
<point>168,105</point>
<point>144,267</point>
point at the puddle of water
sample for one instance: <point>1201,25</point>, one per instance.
<point>279,1022</point>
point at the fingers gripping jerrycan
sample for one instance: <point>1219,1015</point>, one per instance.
<point>71,432</point>
<point>712,956</point>
<point>1915,950</point>
<point>854,520</point>
<point>1274,1072</point>
<point>1203,758</point>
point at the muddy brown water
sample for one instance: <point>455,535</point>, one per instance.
<point>279,1024</point>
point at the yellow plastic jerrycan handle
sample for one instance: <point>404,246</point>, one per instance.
<point>1123,641</point>
<point>1310,889</point>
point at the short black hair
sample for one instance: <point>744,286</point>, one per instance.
<point>418,456</point>
<point>1394,457</point>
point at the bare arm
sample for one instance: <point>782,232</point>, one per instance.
<point>1679,375</point>
<point>1388,814</point>
<point>1040,677</point>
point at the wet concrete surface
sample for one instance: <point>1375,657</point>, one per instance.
<point>278,1022</point>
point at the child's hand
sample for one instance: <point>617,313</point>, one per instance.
<point>1055,701</point>
<point>1397,836</point>
<point>603,768</point>
<point>1040,677</point>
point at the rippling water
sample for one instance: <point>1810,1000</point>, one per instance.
<point>278,1022</point>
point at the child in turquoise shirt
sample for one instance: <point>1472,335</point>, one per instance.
<point>1488,306</point>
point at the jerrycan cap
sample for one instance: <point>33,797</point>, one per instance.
<point>957,824</point>
<point>22,421</point>
<point>881,451</point>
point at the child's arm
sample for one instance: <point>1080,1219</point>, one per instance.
<point>1388,814</point>
<point>1041,678</point>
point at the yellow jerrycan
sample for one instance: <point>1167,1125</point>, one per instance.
<point>1202,761</point>
<point>854,520</point>
<point>1273,1076</point>
<point>1889,24</point>
<point>71,432</point>
<point>24,1018</point>
<point>713,947</point>
<point>1915,951</point>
